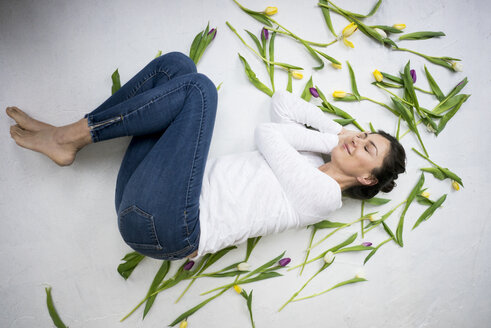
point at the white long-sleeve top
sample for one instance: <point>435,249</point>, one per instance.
<point>277,187</point>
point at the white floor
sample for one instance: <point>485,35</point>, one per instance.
<point>59,224</point>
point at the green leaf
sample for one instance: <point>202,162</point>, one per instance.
<point>452,175</point>
<point>443,122</point>
<point>387,229</point>
<point>416,190</point>
<point>159,53</point>
<point>451,102</point>
<point>389,29</point>
<point>344,243</point>
<point>355,249</point>
<point>216,256</point>
<point>344,121</point>
<point>388,85</point>
<point>161,273</point>
<point>306,95</point>
<point>262,18</point>
<point>251,243</point>
<point>289,85</point>
<point>347,98</point>
<point>249,307</point>
<point>430,210</point>
<point>434,86</point>
<point>326,224</point>
<point>452,93</point>
<point>423,35</point>
<point>392,78</point>
<point>408,85</point>
<point>52,310</point>
<point>262,276</point>
<point>369,256</point>
<point>132,259</point>
<point>423,200</point>
<point>437,173</point>
<point>372,128</point>
<point>195,45</point>
<point>226,274</point>
<point>350,281</point>
<point>313,53</point>
<point>256,41</point>
<point>377,201</point>
<point>327,17</point>
<point>265,265</point>
<point>116,82</point>
<point>218,88</point>
<point>271,58</point>
<point>253,78</point>
<point>354,87</point>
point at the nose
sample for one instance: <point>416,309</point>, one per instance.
<point>358,140</point>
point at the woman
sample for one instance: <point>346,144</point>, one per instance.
<point>172,202</point>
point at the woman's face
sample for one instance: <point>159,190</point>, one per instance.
<point>358,153</point>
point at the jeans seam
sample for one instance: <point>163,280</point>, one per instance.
<point>203,108</point>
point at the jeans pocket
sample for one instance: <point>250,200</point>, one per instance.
<point>138,229</point>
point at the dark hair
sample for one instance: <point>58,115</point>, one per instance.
<point>393,164</point>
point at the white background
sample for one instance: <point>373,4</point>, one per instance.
<point>59,224</point>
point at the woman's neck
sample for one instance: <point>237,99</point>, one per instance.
<point>342,179</point>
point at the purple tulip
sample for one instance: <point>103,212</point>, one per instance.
<point>413,75</point>
<point>313,92</point>
<point>264,34</point>
<point>284,261</point>
<point>188,265</point>
<point>214,35</point>
<point>366,244</point>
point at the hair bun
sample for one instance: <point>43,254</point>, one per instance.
<point>388,186</point>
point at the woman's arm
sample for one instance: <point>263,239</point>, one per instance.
<point>287,108</point>
<point>312,193</point>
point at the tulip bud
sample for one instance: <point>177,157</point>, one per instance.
<point>429,128</point>
<point>329,257</point>
<point>399,26</point>
<point>183,324</point>
<point>264,34</point>
<point>238,289</point>
<point>270,11</point>
<point>314,93</point>
<point>381,32</point>
<point>413,75</point>
<point>360,274</point>
<point>244,266</point>
<point>378,76</point>
<point>456,66</point>
<point>214,34</point>
<point>188,265</point>
<point>283,262</point>
<point>366,244</point>
<point>374,217</point>
<point>455,185</point>
<point>349,29</point>
<point>297,75</point>
<point>337,66</point>
<point>425,194</point>
<point>339,94</point>
<point>348,43</point>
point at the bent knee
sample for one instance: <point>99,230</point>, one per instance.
<point>179,60</point>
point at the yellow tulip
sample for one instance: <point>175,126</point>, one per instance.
<point>378,76</point>
<point>455,185</point>
<point>237,289</point>
<point>297,75</point>
<point>270,11</point>
<point>337,66</point>
<point>350,29</point>
<point>374,217</point>
<point>183,324</point>
<point>399,26</point>
<point>425,194</point>
<point>339,94</point>
<point>348,43</point>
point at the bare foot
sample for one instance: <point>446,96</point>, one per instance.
<point>60,144</point>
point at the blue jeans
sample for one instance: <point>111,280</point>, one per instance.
<point>170,110</point>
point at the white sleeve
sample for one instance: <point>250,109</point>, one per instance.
<point>288,108</point>
<point>311,192</point>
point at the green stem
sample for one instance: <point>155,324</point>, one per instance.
<point>425,91</point>
<point>264,59</point>
<point>336,230</point>
<point>296,37</point>
<point>387,215</point>
<point>381,104</point>
<point>295,294</point>
<point>403,100</point>
<point>409,130</point>
<point>185,290</point>
<point>308,249</point>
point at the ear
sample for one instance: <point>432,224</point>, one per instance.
<point>367,180</point>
